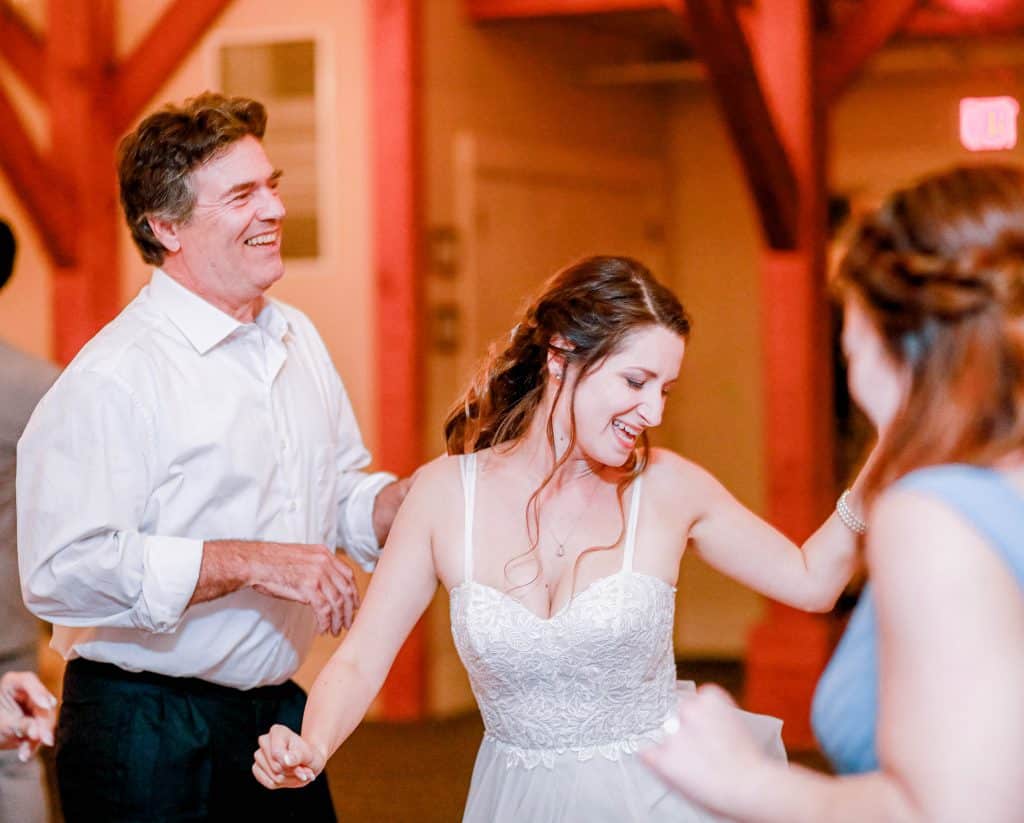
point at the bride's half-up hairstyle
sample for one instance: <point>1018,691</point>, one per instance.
<point>939,269</point>
<point>583,313</point>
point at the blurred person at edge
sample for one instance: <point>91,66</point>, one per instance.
<point>182,489</point>
<point>920,708</point>
<point>24,379</point>
<point>27,718</point>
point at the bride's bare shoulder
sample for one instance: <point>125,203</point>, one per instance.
<point>668,468</point>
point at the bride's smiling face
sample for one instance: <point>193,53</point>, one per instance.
<point>625,394</point>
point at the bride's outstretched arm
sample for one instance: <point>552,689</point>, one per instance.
<point>399,592</point>
<point>740,544</point>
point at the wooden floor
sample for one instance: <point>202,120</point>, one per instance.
<point>419,772</point>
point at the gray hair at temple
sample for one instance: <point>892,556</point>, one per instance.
<point>155,162</point>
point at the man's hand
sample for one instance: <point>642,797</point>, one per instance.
<point>386,504</point>
<point>27,714</point>
<point>308,574</point>
<point>389,500</point>
<point>301,573</point>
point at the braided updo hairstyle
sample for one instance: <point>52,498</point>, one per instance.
<point>939,270</point>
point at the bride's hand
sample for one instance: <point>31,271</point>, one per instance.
<point>285,760</point>
<point>710,753</point>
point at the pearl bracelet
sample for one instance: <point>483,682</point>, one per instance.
<point>850,520</point>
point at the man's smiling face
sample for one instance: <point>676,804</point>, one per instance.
<point>230,247</point>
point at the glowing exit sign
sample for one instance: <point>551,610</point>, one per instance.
<point>988,123</point>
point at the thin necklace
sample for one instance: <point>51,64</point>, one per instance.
<point>560,543</point>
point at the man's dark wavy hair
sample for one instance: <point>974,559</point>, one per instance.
<point>155,162</point>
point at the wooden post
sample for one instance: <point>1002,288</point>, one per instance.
<point>396,232</point>
<point>80,57</point>
<point>788,649</point>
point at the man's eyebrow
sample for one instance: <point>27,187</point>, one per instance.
<point>248,185</point>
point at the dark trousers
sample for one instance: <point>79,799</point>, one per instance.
<point>145,747</point>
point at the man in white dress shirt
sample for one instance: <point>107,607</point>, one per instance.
<point>181,490</point>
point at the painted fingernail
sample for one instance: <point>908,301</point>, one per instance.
<point>289,760</point>
<point>670,724</point>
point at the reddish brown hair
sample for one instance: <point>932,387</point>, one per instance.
<point>592,305</point>
<point>939,269</point>
<point>155,162</point>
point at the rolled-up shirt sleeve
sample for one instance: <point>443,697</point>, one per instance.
<point>83,480</point>
<point>357,489</point>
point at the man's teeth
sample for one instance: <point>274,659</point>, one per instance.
<point>262,239</point>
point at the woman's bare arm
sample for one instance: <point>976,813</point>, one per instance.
<point>737,542</point>
<point>399,592</point>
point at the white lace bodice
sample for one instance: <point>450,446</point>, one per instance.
<point>596,678</point>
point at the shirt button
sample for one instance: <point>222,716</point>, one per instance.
<point>284,445</point>
<point>293,505</point>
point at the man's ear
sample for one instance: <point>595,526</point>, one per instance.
<point>165,232</point>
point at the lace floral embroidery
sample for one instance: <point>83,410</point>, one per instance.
<point>597,678</point>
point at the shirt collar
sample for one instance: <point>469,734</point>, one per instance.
<point>272,320</point>
<point>202,323</point>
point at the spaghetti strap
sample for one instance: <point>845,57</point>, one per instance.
<point>467,463</point>
<point>634,515</point>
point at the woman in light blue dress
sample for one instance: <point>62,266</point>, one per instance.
<point>923,702</point>
<point>558,535</point>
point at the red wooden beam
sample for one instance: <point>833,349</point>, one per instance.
<point>168,41</point>
<point>86,293</point>
<point>511,9</point>
<point>35,182</point>
<point>23,49</point>
<point>395,128</point>
<point>845,52</point>
<point>721,43</point>
<point>937,22</point>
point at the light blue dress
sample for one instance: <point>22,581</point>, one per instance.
<point>845,710</point>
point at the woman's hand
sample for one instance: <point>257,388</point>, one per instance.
<point>285,761</point>
<point>27,714</point>
<point>711,756</point>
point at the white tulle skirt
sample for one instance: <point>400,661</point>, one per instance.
<point>607,786</point>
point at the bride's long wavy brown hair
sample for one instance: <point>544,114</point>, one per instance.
<point>939,269</point>
<point>583,313</point>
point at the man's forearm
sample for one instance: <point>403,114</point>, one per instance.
<point>224,569</point>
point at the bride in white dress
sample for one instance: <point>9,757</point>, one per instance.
<point>558,534</point>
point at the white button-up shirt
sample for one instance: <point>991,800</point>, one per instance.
<point>177,424</point>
